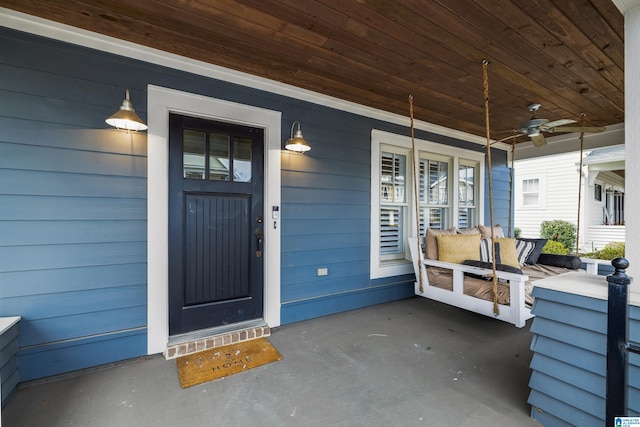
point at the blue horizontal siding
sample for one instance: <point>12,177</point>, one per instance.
<point>37,208</point>
<point>39,362</point>
<point>293,210</point>
<point>19,258</point>
<point>569,373</point>
<point>581,338</point>
<point>303,179</point>
<point>55,135</point>
<point>28,233</point>
<point>41,332</point>
<point>580,317</point>
<point>331,304</point>
<point>554,349</point>
<point>323,196</point>
<point>324,241</point>
<point>48,306</point>
<point>310,289</point>
<point>324,256</point>
<point>39,158</point>
<point>580,401</point>
<point>37,282</point>
<point>328,226</point>
<point>558,414</point>
<point>568,383</point>
<point>72,184</point>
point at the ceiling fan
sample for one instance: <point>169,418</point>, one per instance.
<point>534,127</point>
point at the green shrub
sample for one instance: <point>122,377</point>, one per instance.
<point>553,247</point>
<point>560,231</point>
<point>610,251</point>
<point>517,232</point>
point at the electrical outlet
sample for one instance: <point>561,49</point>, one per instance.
<point>324,271</point>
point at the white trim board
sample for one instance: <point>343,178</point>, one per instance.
<point>55,30</point>
<point>161,102</point>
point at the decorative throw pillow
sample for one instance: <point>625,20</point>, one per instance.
<point>458,247</point>
<point>432,244</point>
<point>485,251</point>
<point>472,230</point>
<point>486,231</point>
<point>508,254</point>
<point>537,249</point>
<point>523,249</point>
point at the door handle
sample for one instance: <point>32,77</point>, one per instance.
<point>259,241</point>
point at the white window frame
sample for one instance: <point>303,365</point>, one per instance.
<point>404,204</point>
<point>381,141</point>
<point>542,185</point>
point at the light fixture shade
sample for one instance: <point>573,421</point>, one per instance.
<point>126,117</point>
<point>296,142</point>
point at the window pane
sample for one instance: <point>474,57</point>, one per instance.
<point>434,194</point>
<point>218,157</point>
<point>438,218</point>
<point>392,177</point>
<point>193,149</point>
<point>391,231</point>
<point>530,199</point>
<point>242,159</point>
<point>466,188</point>
<point>530,185</point>
<point>438,182</point>
<point>467,217</point>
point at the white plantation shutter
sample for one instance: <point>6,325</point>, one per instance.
<point>434,193</point>
<point>393,204</point>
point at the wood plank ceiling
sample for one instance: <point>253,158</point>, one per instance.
<point>564,54</point>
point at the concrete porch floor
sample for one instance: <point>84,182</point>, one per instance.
<point>413,362</point>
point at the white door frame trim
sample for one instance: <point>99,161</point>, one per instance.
<point>162,101</point>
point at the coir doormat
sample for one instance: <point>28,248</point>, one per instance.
<point>220,362</point>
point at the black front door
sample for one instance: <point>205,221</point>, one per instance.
<point>215,223</point>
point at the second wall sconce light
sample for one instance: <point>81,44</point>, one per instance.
<point>126,117</point>
<point>296,142</point>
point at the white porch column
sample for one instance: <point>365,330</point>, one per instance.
<point>631,11</point>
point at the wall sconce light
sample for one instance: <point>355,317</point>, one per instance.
<point>296,142</point>
<point>126,117</point>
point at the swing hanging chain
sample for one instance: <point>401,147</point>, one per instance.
<point>485,84</point>
<point>582,122</point>
<point>416,194</point>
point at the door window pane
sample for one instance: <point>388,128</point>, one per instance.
<point>194,143</point>
<point>218,157</point>
<point>242,159</point>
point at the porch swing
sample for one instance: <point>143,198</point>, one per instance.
<point>489,289</point>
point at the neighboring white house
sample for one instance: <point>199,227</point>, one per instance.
<point>546,188</point>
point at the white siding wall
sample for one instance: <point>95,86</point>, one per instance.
<point>597,235</point>
<point>559,178</point>
<point>558,191</point>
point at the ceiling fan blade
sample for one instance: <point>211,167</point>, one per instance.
<point>538,140</point>
<point>506,138</point>
<point>556,123</point>
<point>577,129</point>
